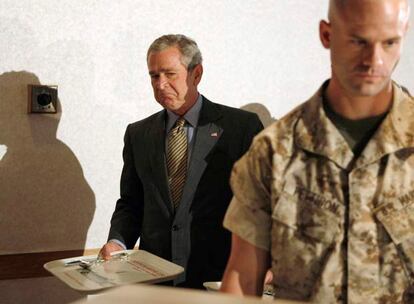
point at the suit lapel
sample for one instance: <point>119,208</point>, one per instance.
<point>156,152</point>
<point>207,135</point>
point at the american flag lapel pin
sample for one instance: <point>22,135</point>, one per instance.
<point>214,134</point>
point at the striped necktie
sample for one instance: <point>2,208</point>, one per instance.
<point>177,160</point>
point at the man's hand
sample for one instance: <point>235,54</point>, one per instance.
<point>268,277</point>
<point>108,248</point>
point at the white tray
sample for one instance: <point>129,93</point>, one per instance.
<point>139,267</point>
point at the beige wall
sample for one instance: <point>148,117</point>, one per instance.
<point>59,174</point>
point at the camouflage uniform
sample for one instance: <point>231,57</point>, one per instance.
<point>339,229</point>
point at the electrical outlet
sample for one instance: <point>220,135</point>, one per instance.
<point>43,98</point>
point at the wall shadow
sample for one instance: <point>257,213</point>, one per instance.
<point>45,202</point>
<point>263,113</point>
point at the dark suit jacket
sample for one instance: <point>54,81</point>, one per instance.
<point>193,237</point>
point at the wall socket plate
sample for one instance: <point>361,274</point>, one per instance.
<point>42,98</point>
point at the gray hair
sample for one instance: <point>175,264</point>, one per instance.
<point>190,53</point>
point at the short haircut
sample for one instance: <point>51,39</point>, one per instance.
<point>339,5</point>
<point>190,53</point>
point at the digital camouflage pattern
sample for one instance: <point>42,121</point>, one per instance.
<point>339,229</point>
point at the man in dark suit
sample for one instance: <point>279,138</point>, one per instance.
<point>174,199</point>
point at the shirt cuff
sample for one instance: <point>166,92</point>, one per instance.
<point>118,242</point>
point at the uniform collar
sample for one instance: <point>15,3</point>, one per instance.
<point>396,131</point>
<point>315,132</point>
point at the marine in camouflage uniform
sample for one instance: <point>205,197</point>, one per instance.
<point>339,229</point>
<point>325,196</point>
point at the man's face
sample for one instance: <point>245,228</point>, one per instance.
<point>365,38</point>
<point>175,88</point>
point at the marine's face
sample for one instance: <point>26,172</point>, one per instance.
<point>175,88</point>
<point>365,39</point>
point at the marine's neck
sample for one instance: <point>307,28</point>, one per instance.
<point>358,107</point>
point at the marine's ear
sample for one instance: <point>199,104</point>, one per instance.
<point>325,30</point>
